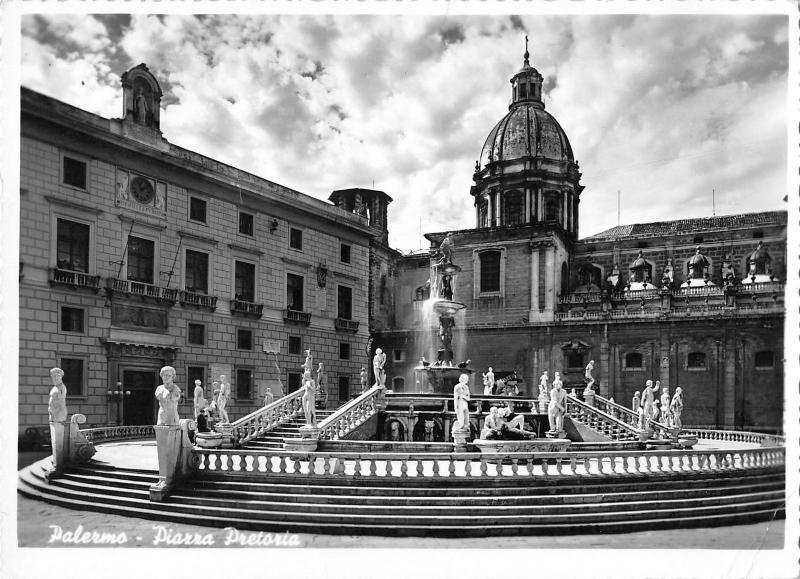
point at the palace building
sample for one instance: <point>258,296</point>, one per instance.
<point>136,253</point>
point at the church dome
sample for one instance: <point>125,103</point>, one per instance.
<point>526,131</point>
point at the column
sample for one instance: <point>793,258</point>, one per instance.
<point>549,281</point>
<point>527,205</point>
<point>603,377</point>
<point>497,208</point>
<point>539,203</point>
<point>564,212</point>
<point>533,315</point>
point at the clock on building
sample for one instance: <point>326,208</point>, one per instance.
<point>142,190</point>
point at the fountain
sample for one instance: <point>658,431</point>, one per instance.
<point>441,376</point>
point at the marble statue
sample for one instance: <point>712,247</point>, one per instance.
<point>656,412</point>
<point>668,278</point>
<point>492,425</point>
<point>512,425</point>
<point>647,402</point>
<point>57,406</point>
<point>447,287</point>
<point>698,264</point>
<point>558,405</point>
<point>446,249</point>
<point>322,383</point>
<point>199,398</point>
<point>543,386</point>
<point>636,404</point>
<point>487,386</point>
<point>377,365</point>
<point>309,398</point>
<point>309,363</point>
<point>728,272</point>
<point>588,375</point>
<point>676,408</point>
<point>140,107</point>
<point>461,402</point>
<point>394,432</point>
<point>364,379</point>
<point>168,394</point>
<point>269,397</point>
<point>222,399</point>
<point>488,381</point>
<point>665,405</point>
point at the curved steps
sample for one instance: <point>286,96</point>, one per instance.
<point>425,507</point>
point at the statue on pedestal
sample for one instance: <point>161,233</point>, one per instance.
<point>558,405</point>
<point>676,407</point>
<point>488,382</point>
<point>309,363</point>
<point>269,397</point>
<point>222,399</point>
<point>665,412</point>
<point>364,377</point>
<point>140,107</point>
<point>492,425</point>
<point>199,398</point>
<point>698,265</point>
<point>647,403</point>
<point>512,425</point>
<point>377,365</point>
<point>589,377</point>
<point>168,394</point>
<point>309,398</point>
<point>446,249</point>
<point>636,404</point>
<point>461,402</point>
<point>57,405</point>
<point>322,385</point>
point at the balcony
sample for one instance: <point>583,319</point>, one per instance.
<point>142,290</point>
<point>198,300</point>
<point>297,317</point>
<point>244,308</point>
<point>74,279</point>
<point>346,325</point>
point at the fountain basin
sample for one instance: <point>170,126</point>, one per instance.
<point>447,308</point>
<point>534,445</point>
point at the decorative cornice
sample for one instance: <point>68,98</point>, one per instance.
<point>245,249</point>
<point>144,223</point>
<point>346,276</point>
<point>196,237</point>
<point>296,262</point>
<point>71,204</point>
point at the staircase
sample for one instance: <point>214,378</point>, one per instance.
<point>445,507</point>
<point>274,438</point>
<point>600,422</point>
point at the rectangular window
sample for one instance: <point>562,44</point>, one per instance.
<point>345,302</point>
<point>633,361</point>
<point>72,319</point>
<point>245,289</point>
<point>696,361</point>
<point>344,388</point>
<point>575,360</point>
<point>141,253</point>
<point>344,253</point>
<point>245,223</point>
<point>295,345</point>
<point>74,173</point>
<point>399,355</point>
<point>196,334</point>
<point>72,246</point>
<point>344,351</point>
<point>74,378</point>
<point>765,360</point>
<point>196,271</point>
<point>244,383</point>
<point>244,339</point>
<point>490,271</point>
<point>295,239</point>
<point>294,292</point>
<point>293,382</point>
<point>195,373</point>
<point>197,209</point>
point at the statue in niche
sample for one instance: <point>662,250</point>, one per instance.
<point>461,402</point>
<point>446,249</point>
<point>168,394</point>
<point>557,407</point>
<point>160,194</point>
<point>140,107</point>
<point>57,405</point>
<point>222,399</point>
<point>364,377</point>
<point>396,431</point>
<point>122,185</point>
<point>728,273</point>
<point>698,265</point>
<point>199,397</point>
<point>322,385</point>
<point>676,408</point>
<point>447,287</point>
<point>378,362</point>
<point>309,398</point>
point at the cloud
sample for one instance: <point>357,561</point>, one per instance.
<point>663,108</point>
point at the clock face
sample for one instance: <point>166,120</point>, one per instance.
<point>142,190</point>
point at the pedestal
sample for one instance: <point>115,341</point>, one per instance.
<point>560,434</point>
<point>588,397</point>
<point>80,449</point>
<point>544,400</point>
<point>226,430</point>
<point>460,438</point>
<point>309,437</point>
<point>59,440</point>
<point>645,435</point>
<point>174,457</point>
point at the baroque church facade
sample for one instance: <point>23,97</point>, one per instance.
<point>136,253</point>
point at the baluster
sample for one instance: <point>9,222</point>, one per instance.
<point>282,465</point>
<point>514,467</point>
<point>451,466</point>
<point>420,467</point>
<point>484,466</point>
<point>389,466</point>
<point>373,467</point>
<point>296,464</point>
<point>217,462</point>
<point>529,464</point>
<point>403,467</point>
<point>587,463</point>
<point>558,465</point>
<point>357,466</point>
<point>435,468</point>
<point>573,466</point>
<point>468,466</point>
<point>338,465</point>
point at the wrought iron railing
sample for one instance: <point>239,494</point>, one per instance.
<point>266,418</point>
<point>346,325</point>
<point>74,279</point>
<point>350,416</point>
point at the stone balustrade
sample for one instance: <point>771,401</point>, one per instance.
<point>74,279</point>
<point>112,433</point>
<point>578,409</point>
<point>617,411</point>
<point>471,465</point>
<point>348,417</point>
<point>266,418</point>
<point>141,289</point>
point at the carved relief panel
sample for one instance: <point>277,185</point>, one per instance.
<point>141,193</point>
<point>139,318</point>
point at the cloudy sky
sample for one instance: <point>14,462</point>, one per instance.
<point>661,108</point>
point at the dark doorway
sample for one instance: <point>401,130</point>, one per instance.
<point>140,406</point>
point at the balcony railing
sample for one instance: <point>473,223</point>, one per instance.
<point>346,325</point>
<point>580,298</point>
<point>297,317</point>
<point>188,298</point>
<point>246,308</point>
<point>74,279</point>
<point>762,287</point>
<point>144,290</point>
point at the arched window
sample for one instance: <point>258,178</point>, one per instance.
<point>483,214</point>
<point>513,208</point>
<point>696,361</point>
<point>490,271</point>
<point>633,361</point>
<point>398,384</point>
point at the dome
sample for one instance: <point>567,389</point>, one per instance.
<point>526,131</point>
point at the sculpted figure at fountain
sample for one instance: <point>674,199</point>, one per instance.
<point>222,399</point>
<point>589,377</point>
<point>461,402</point>
<point>364,377</point>
<point>168,394</point>
<point>447,287</point>
<point>492,425</point>
<point>513,424</point>
<point>309,398</point>
<point>676,408</point>
<point>309,363</point>
<point>322,385</point>
<point>665,413</point>
<point>647,403</point>
<point>636,404</point>
<point>558,405</point>
<point>199,398</point>
<point>377,365</point>
<point>698,265</point>
<point>488,382</point>
<point>446,249</point>
<point>57,405</point>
